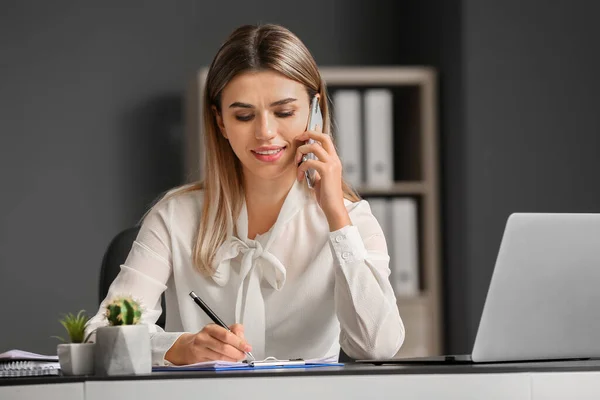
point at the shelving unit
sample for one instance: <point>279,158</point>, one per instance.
<point>416,176</point>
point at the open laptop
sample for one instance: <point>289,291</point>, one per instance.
<point>544,295</point>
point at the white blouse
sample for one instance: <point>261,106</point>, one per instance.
<point>299,290</point>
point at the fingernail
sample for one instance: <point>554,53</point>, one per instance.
<point>248,348</point>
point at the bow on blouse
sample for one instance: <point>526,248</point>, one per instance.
<point>257,264</point>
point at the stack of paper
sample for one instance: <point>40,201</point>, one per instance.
<point>25,356</point>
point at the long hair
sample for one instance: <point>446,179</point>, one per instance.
<point>248,48</point>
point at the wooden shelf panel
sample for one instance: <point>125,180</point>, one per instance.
<point>397,188</point>
<point>376,75</point>
<point>417,315</point>
<point>421,298</point>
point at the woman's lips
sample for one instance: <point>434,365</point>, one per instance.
<point>268,154</point>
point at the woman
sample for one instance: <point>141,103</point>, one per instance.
<point>300,271</point>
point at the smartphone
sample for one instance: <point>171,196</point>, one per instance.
<point>314,118</point>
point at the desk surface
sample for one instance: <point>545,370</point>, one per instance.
<point>515,381</point>
<point>348,369</point>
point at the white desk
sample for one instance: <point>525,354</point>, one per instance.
<point>347,387</point>
<point>66,391</point>
<point>515,382</point>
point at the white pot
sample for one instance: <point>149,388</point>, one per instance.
<point>76,358</point>
<point>123,350</point>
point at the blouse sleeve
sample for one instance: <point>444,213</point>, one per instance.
<point>144,276</point>
<point>366,307</point>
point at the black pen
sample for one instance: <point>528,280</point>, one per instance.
<point>214,316</point>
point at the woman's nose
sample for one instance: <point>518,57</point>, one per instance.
<point>265,128</point>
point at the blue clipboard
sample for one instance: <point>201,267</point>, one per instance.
<point>268,363</point>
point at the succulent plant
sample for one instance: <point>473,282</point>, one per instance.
<point>75,326</point>
<point>123,311</point>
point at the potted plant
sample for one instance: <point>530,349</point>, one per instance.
<point>123,347</point>
<point>76,356</point>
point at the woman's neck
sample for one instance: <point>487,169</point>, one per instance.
<point>264,199</point>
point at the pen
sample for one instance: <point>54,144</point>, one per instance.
<point>213,316</point>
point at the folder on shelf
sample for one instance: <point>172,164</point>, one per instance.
<point>379,120</point>
<point>347,111</point>
<point>405,261</point>
<point>380,210</point>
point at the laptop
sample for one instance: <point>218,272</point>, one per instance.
<point>544,295</point>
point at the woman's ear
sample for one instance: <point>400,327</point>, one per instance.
<point>219,119</point>
<point>318,96</point>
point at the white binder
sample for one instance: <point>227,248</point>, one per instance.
<point>380,210</point>
<point>379,120</point>
<point>347,110</point>
<point>405,262</point>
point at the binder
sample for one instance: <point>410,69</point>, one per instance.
<point>380,210</point>
<point>379,137</point>
<point>405,262</point>
<point>348,119</point>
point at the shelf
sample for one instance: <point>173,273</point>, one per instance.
<point>415,174</point>
<point>376,75</point>
<point>397,188</point>
<point>421,298</point>
<point>418,318</point>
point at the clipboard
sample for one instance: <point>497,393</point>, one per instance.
<point>267,363</point>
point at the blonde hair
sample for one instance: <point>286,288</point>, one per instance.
<point>248,48</point>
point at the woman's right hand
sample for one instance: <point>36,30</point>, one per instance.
<point>212,343</point>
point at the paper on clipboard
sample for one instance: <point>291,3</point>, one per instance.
<point>269,362</point>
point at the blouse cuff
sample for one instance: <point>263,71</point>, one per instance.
<point>161,342</point>
<point>347,245</point>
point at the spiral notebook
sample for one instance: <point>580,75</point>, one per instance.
<point>16,363</point>
<point>267,363</point>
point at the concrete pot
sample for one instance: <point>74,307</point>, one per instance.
<point>123,350</point>
<point>76,358</point>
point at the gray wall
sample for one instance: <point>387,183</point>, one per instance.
<point>90,127</point>
<point>532,130</point>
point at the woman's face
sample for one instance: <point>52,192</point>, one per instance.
<point>261,114</point>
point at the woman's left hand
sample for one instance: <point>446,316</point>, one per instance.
<point>328,176</point>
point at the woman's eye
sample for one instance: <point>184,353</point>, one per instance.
<point>244,117</point>
<point>284,114</point>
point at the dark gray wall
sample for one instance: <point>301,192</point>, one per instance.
<point>532,128</point>
<point>434,36</point>
<point>90,127</point>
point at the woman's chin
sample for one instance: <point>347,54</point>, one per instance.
<point>273,173</point>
